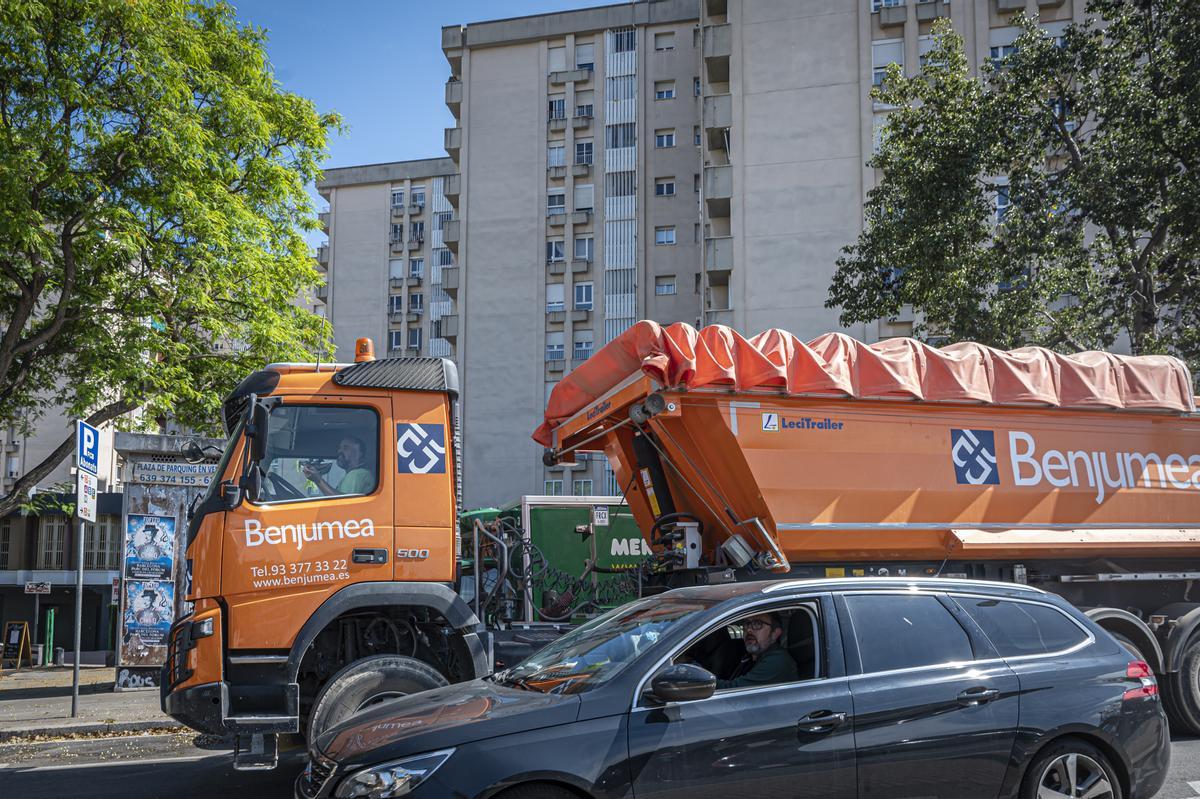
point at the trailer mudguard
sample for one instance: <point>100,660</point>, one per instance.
<point>1125,623</point>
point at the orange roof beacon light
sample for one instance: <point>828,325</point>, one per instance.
<point>364,350</point>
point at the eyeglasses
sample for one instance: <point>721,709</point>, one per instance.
<point>757,624</point>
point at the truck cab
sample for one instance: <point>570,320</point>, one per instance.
<point>325,548</point>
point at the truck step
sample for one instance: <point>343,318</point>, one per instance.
<point>246,723</point>
<point>257,752</point>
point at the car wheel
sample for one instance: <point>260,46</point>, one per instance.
<point>1071,768</point>
<point>367,682</point>
<point>538,790</point>
<point>1182,694</point>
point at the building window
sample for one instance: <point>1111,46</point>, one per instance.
<point>416,301</point>
<point>696,87</point>
<point>416,267</point>
<point>664,138</point>
<point>664,90</point>
<point>620,184</point>
<point>555,348</point>
<point>664,285</point>
<point>621,87</point>
<point>558,107</point>
<point>583,296</point>
<point>556,201</point>
<point>664,235</point>
<point>416,230</point>
<point>397,232</point>
<point>101,543</point>
<point>555,155</point>
<point>397,303</point>
<point>584,102</point>
<point>52,536</point>
<point>6,530</point>
<point>884,54</point>
<point>13,467</point>
<point>557,60</point>
<point>397,198</point>
<point>554,251</point>
<point>440,219</point>
<point>582,349</point>
<point>395,340</point>
<point>414,338</point>
<point>585,57</point>
<point>696,135</point>
<point>418,197</point>
<point>581,488</point>
<point>664,187</point>
<point>583,248</point>
<point>396,269</point>
<point>585,196</point>
<point>583,152</point>
<point>624,41</point>
<point>444,257</point>
<point>1003,202</point>
<point>554,488</point>
<point>1001,52</point>
<point>620,135</point>
<point>696,182</point>
<point>878,4</point>
<point>664,41</point>
<point>555,297</point>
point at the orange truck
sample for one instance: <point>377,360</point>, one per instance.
<point>323,563</point>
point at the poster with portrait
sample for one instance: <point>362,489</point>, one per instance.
<point>149,547</point>
<point>149,611</point>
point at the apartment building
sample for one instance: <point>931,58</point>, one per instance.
<point>577,145</point>
<point>387,261</point>
<point>788,126</point>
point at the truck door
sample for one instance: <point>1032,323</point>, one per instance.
<point>321,521</point>
<point>422,440</point>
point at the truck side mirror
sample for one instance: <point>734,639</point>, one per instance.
<point>231,494</point>
<point>257,432</point>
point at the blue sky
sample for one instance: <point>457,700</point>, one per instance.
<point>379,64</point>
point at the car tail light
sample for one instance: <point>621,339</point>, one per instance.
<point>1140,670</point>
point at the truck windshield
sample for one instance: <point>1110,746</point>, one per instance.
<point>591,655</point>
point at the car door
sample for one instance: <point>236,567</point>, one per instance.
<point>786,740</point>
<point>935,712</point>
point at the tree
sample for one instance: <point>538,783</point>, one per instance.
<point>152,213</point>
<point>1055,200</point>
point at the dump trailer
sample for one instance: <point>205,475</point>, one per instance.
<point>769,457</point>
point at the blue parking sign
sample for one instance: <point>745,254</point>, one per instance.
<point>87,447</point>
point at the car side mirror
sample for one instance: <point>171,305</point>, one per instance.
<point>683,682</point>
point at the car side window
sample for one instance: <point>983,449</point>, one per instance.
<point>1023,628</point>
<point>896,631</point>
<point>319,451</point>
<point>769,647</point>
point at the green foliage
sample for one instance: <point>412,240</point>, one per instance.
<point>152,210</point>
<point>1097,138</point>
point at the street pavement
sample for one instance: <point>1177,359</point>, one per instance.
<point>174,766</point>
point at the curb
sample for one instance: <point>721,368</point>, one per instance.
<point>93,728</point>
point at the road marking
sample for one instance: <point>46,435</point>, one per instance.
<point>1195,786</point>
<point>142,762</point>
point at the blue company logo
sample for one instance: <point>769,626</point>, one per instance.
<point>772,422</point>
<point>421,448</point>
<point>974,456</point>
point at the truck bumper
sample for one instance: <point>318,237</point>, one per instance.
<point>201,707</point>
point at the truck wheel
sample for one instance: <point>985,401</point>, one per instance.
<point>366,682</point>
<point>1182,694</point>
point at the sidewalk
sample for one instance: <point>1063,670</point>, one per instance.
<point>37,702</point>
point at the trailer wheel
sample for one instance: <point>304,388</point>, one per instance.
<point>367,682</point>
<point>1182,697</point>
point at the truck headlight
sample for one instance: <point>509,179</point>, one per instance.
<point>388,780</point>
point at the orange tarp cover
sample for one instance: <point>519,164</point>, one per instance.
<point>835,364</point>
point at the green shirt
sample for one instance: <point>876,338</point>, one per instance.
<point>356,481</point>
<point>773,666</point>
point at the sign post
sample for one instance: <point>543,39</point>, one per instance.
<point>87,449</point>
<point>16,643</point>
<point>37,589</point>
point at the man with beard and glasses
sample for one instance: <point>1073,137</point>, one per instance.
<point>357,479</point>
<point>766,662</point>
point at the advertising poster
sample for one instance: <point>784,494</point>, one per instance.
<point>149,547</point>
<point>149,611</point>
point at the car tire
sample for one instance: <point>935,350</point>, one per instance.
<point>1051,768</point>
<point>539,790</point>
<point>366,682</point>
<point>1182,694</point>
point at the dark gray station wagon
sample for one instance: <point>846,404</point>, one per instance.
<point>843,689</point>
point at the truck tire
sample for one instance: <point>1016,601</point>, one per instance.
<point>366,682</point>
<point>1182,694</point>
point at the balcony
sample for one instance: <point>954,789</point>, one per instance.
<point>892,16</point>
<point>556,217</point>
<point>556,317</point>
<point>396,283</point>
<point>323,292</point>
<point>928,10</point>
<point>415,313</point>
<point>397,245</point>
<point>718,254</point>
<point>452,47</point>
<point>716,8</point>
<point>570,76</point>
<point>415,244</point>
<point>718,119</point>
<point>718,46</point>
<point>556,267</point>
<point>718,189</point>
<point>323,220</point>
<point>323,256</point>
<point>555,366</point>
<point>397,212</point>
<point>581,170</point>
<point>556,123</point>
<point>581,265</point>
<point>453,142</point>
<point>556,172</point>
<point>1010,5</point>
<point>414,280</point>
<point>396,317</point>
<point>581,315</point>
<point>579,123</point>
<point>416,209</point>
<point>452,187</point>
<point>450,327</point>
<point>454,95</point>
<point>451,233</point>
<point>581,217</point>
<point>450,280</point>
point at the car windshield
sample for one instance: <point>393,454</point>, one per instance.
<point>594,653</point>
